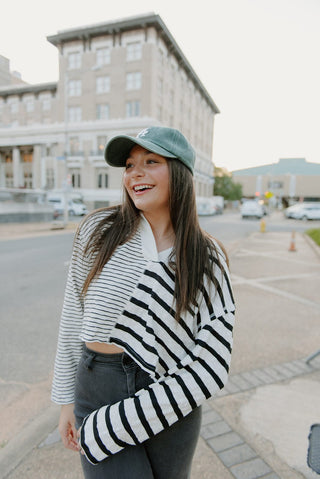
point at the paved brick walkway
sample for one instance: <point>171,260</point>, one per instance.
<point>232,449</point>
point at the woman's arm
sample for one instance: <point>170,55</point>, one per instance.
<point>69,343</point>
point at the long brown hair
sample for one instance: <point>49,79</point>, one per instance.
<point>193,249</point>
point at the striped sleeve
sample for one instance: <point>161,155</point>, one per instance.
<point>69,343</point>
<point>185,383</point>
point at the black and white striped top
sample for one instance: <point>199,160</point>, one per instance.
<point>187,359</point>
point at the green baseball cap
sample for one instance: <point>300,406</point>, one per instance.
<point>167,142</point>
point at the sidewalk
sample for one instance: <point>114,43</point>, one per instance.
<point>258,426</point>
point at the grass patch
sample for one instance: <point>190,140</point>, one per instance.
<point>314,234</point>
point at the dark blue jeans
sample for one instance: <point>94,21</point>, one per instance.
<point>108,378</point>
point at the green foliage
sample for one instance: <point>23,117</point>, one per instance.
<point>314,234</point>
<point>226,187</point>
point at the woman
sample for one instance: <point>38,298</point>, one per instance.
<point>146,330</point>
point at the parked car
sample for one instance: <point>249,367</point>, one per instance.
<point>290,211</point>
<point>76,207</point>
<point>307,212</point>
<point>252,209</point>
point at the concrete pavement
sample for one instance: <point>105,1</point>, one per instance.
<point>258,426</point>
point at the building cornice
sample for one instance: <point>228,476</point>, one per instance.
<point>127,24</point>
<point>23,89</point>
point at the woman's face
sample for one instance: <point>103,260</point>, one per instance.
<point>146,179</point>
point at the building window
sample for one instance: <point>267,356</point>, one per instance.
<point>103,56</point>
<point>133,81</point>
<point>275,185</point>
<point>74,113</point>
<point>102,180</point>
<point>46,101</point>
<point>134,51</point>
<point>102,112</point>
<point>14,106</point>
<point>103,84</point>
<point>74,144</point>
<point>50,182</point>
<point>8,171</point>
<point>29,103</point>
<point>75,179</point>
<point>46,104</point>
<point>102,141</point>
<point>27,159</point>
<point>74,61</point>
<point>74,88</point>
<point>132,108</point>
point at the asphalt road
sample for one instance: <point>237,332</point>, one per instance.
<point>230,227</point>
<point>32,274</point>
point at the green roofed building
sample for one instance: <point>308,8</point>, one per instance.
<point>288,180</point>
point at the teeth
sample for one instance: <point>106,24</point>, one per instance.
<point>142,187</point>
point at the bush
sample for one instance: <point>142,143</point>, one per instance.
<point>314,234</point>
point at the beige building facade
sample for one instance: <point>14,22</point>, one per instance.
<point>114,78</point>
<point>289,180</point>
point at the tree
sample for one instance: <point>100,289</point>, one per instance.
<point>225,186</point>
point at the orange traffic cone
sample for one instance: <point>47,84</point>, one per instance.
<point>293,242</point>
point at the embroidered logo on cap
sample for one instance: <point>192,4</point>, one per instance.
<point>143,133</point>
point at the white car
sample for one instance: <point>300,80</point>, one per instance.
<point>292,210</point>
<point>307,212</point>
<point>252,209</point>
<point>75,206</point>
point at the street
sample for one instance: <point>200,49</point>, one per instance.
<point>33,274</point>
<point>230,227</point>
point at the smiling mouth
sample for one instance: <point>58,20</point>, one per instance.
<point>139,188</point>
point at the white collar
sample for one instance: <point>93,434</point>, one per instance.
<point>149,246</point>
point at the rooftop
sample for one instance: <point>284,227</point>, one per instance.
<point>127,24</point>
<point>285,166</point>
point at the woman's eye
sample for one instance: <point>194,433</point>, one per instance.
<point>151,160</point>
<point>128,165</point>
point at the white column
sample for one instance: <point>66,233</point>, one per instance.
<point>259,184</point>
<point>43,171</point>
<point>36,167</point>
<point>17,168</point>
<point>2,171</point>
<point>292,186</point>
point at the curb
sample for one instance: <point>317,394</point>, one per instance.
<point>50,229</point>
<point>312,244</point>
<point>29,438</point>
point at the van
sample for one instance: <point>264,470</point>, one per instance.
<point>76,207</point>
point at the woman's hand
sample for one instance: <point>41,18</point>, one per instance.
<point>67,428</point>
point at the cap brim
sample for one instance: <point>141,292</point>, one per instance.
<point>118,149</point>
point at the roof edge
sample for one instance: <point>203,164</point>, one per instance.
<point>22,89</point>
<point>124,24</point>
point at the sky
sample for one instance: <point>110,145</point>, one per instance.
<point>258,59</point>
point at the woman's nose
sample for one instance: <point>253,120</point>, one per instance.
<point>138,170</point>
